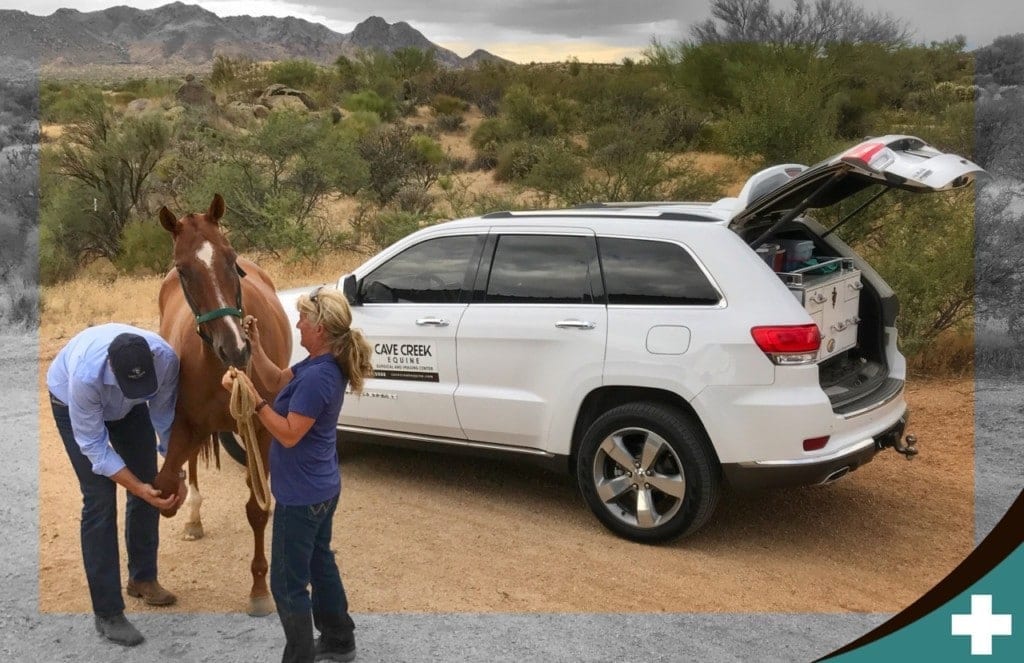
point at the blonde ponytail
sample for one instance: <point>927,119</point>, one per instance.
<point>348,345</point>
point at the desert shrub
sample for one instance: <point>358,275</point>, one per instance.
<point>232,74</point>
<point>516,160</point>
<point>397,158</point>
<point>449,123</point>
<point>528,115</point>
<point>293,73</point>
<point>147,88</point>
<point>782,116</point>
<point>387,227</point>
<point>146,248</point>
<point>370,100</point>
<point>443,104</point>
<point>490,135</point>
<point>65,104</point>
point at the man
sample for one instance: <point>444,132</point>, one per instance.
<point>110,387</point>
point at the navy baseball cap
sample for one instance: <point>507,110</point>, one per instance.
<point>131,360</point>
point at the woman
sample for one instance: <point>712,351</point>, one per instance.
<point>304,475</point>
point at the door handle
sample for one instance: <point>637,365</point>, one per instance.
<point>575,324</point>
<point>432,322</point>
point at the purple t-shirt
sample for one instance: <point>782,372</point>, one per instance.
<point>308,472</point>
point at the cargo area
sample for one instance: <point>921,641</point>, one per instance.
<point>847,300</point>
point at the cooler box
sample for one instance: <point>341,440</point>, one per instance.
<point>832,299</point>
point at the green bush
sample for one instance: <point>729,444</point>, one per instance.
<point>527,114</point>
<point>490,135</point>
<point>369,100</point>
<point>293,73</point>
<point>783,117</point>
<point>65,104</point>
<point>516,160</point>
<point>145,248</point>
<point>442,104</point>
<point>388,227</point>
<point>449,123</point>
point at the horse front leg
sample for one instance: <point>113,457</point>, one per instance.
<point>260,602</point>
<point>193,501</point>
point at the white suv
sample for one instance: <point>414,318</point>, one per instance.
<point>654,350</point>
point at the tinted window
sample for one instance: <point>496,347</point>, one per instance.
<point>543,269</point>
<point>648,272</point>
<point>429,272</point>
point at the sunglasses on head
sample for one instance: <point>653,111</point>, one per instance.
<point>314,296</point>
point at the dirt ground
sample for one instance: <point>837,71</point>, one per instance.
<point>423,532</point>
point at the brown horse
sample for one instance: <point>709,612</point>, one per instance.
<point>201,307</point>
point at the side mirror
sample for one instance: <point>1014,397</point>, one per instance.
<point>350,287</point>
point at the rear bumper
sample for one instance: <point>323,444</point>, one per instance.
<point>809,472</point>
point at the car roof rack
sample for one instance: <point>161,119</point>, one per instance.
<point>595,212</point>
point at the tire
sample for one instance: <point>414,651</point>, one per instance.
<point>684,483</point>
<point>234,447</point>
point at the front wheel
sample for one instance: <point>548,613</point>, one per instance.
<point>648,473</point>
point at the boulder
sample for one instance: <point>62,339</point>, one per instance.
<point>278,90</point>
<point>284,101</point>
<point>194,93</point>
<point>137,106</point>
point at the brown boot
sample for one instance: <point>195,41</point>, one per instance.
<point>151,592</point>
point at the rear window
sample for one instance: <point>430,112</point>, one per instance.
<point>649,272</point>
<point>544,269</point>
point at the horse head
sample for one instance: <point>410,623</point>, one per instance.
<point>210,280</point>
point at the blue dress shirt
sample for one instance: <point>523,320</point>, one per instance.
<point>81,377</point>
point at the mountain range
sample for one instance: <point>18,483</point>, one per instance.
<point>188,35</point>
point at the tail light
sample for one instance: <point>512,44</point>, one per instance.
<point>789,344</point>
<point>871,156</point>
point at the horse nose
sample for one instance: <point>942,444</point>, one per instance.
<point>233,355</point>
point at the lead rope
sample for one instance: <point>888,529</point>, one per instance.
<point>241,408</point>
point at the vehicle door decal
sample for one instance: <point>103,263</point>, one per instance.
<point>405,361</point>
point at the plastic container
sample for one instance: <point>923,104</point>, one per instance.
<point>773,255</point>
<point>798,250</point>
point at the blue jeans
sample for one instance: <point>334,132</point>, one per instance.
<point>301,557</point>
<point>134,440</point>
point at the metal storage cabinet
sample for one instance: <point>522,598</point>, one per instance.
<point>832,300</point>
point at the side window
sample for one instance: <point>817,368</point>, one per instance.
<point>649,272</point>
<point>544,269</point>
<point>429,272</point>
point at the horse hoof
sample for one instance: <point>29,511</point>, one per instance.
<point>260,606</point>
<point>193,531</point>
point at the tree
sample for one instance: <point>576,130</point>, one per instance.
<point>1003,59</point>
<point>112,163</point>
<point>817,24</point>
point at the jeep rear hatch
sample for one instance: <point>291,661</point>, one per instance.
<point>902,162</point>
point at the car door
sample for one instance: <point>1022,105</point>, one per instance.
<point>532,342</point>
<point>409,308</point>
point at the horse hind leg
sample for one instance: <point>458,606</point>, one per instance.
<point>193,501</point>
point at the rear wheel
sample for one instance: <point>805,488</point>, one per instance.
<point>234,447</point>
<point>648,473</point>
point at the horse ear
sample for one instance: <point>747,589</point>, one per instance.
<point>168,220</point>
<point>216,210</point>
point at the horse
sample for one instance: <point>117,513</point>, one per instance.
<point>202,301</point>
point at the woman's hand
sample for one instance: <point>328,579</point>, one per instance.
<point>251,331</point>
<point>228,382</point>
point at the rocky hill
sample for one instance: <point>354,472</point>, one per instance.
<point>181,34</point>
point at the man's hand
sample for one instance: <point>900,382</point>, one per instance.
<point>152,496</point>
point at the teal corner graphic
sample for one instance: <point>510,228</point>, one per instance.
<point>985,623</point>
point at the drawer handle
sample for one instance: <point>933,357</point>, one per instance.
<point>818,298</point>
<point>856,285</point>
<point>842,326</point>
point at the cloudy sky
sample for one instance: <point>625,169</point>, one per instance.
<point>554,30</point>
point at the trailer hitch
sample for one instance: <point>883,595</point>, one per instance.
<point>909,449</point>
